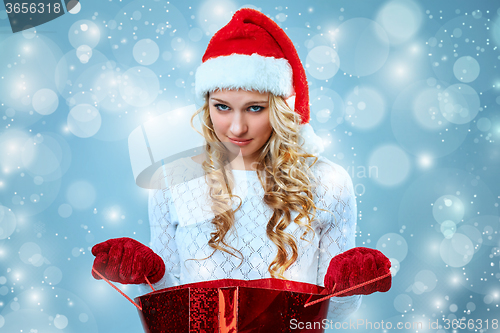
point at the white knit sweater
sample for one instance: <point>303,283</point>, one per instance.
<point>180,215</point>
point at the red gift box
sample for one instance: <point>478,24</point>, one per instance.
<point>233,306</point>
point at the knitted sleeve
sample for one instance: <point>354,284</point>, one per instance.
<point>335,193</point>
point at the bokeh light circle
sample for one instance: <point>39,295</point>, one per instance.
<point>460,38</point>
<point>100,88</point>
<point>31,253</point>
<point>471,306</point>
<point>416,214</point>
<point>457,32</point>
<point>483,124</point>
<point>477,14</point>
<point>23,320</point>
<point>65,210</point>
<point>214,14</point>
<point>84,53</point>
<point>83,97</point>
<point>457,251</point>
<point>162,22</point>
<point>362,46</point>
<point>395,266</point>
<point>61,309</point>
<point>52,275</point>
<point>47,155</point>
<point>327,109</point>
<point>322,62</point>
<point>60,321</point>
<point>403,303</point>
<point>426,280</point>
<point>139,86</point>
<point>489,226</point>
<point>368,108</point>
<point>474,235</point>
<point>146,52</point>
<point>448,207</point>
<point>195,34</point>
<point>11,149</point>
<point>15,306</point>
<point>178,44</point>
<point>70,72</point>
<point>45,101</point>
<point>393,245</point>
<point>481,274</point>
<point>459,103</point>
<point>430,139</point>
<point>392,165</point>
<point>466,69</point>
<point>75,252</point>
<point>27,67</point>
<point>137,15</point>
<point>83,317</point>
<point>448,228</point>
<point>8,222</point>
<point>426,109</point>
<point>84,32</point>
<point>495,32</point>
<point>401,19</point>
<point>81,194</point>
<point>84,120</point>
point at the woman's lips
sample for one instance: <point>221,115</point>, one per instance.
<point>240,142</point>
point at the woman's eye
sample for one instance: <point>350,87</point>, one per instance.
<point>259,108</point>
<point>254,108</point>
<point>221,107</point>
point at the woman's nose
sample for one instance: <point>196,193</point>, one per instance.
<point>238,124</point>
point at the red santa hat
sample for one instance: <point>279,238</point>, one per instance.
<point>252,52</point>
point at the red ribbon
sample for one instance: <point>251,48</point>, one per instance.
<point>346,290</point>
<point>121,292</point>
<point>149,282</point>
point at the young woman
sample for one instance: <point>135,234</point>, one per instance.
<point>255,204</point>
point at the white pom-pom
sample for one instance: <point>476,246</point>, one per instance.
<point>309,141</point>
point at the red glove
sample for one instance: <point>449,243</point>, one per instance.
<point>127,261</point>
<point>355,266</point>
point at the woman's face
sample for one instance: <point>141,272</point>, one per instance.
<point>241,121</point>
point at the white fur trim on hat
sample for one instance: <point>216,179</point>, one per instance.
<point>309,141</point>
<point>240,71</point>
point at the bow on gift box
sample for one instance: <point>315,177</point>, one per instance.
<point>358,271</point>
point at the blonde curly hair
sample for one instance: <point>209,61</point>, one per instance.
<point>284,173</point>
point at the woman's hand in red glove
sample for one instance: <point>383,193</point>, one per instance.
<point>355,266</point>
<point>127,261</point>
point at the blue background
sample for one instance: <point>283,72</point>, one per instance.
<point>405,95</point>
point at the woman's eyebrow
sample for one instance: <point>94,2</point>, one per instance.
<point>252,102</point>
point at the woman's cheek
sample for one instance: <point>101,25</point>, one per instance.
<point>220,126</point>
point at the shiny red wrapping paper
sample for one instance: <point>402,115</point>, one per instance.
<point>233,306</point>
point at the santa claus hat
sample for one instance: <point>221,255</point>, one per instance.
<point>252,52</point>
